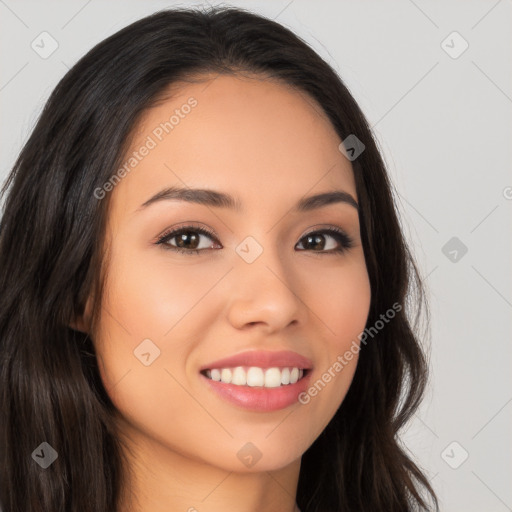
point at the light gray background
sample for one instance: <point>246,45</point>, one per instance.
<point>444,125</point>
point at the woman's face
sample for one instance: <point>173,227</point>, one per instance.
<point>258,284</point>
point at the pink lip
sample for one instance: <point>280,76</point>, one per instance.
<point>262,359</point>
<point>260,399</point>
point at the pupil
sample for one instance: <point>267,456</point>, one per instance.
<point>181,240</point>
<point>318,239</point>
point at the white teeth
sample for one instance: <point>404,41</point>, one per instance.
<point>226,375</point>
<point>285,376</point>
<point>239,377</point>
<point>254,376</point>
<point>272,378</point>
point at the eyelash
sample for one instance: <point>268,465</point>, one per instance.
<point>343,239</point>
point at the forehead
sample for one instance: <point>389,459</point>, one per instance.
<point>257,139</point>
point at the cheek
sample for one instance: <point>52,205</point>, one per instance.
<point>154,313</point>
<point>339,298</point>
<point>152,295</point>
<point>142,345</point>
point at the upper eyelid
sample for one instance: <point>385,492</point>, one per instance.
<point>174,231</point>
<point>171,233</point>
<point>210,232</point>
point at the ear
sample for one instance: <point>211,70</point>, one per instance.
<point>82,323</point>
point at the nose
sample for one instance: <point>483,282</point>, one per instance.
<point>264,292</point>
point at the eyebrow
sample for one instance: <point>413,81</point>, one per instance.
<point>217,199</point>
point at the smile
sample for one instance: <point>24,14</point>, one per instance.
<point>264,389</point>
<point>255,376</point>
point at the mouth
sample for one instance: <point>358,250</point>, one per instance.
<point>259,380</point>
<point>258,389</point>
<point>257,377</point>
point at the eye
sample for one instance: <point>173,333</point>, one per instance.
<point>317,239</point>
<point>188,240</point>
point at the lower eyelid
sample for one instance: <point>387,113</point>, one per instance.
<point>345,242</point>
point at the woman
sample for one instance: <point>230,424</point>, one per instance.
<point>204,285</point>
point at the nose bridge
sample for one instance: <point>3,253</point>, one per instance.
<point>264,288</point>
<point>259,257</point>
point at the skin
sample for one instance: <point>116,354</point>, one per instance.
<point>269,145</point>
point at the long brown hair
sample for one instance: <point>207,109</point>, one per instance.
<point>51,259</point>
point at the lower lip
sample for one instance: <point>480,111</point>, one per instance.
<point>260,399</point>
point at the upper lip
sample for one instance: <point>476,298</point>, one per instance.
<point>263,359</point>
